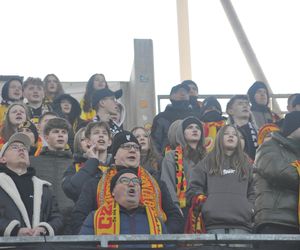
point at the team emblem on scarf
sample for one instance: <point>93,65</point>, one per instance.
<point>210,132</point>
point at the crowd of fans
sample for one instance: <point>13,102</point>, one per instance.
<point>69,167</point>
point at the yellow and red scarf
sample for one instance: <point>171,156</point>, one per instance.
<point>296,164</point>
<point>150,191</point>
<point>39,146</point>
<point>210,132</point>
<point>107,221</point>
<point>181,182</point>
<point>194,223</point>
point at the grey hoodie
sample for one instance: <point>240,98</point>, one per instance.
<point>168,170</point>
<point>230,199</point>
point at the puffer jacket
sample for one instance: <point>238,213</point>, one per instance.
<point>277,182</point>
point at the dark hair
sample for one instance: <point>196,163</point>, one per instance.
<point>92,125</point>
<point>34,81</point>
<point>56,123</point>
<point>47,113</point>
<point>232,101</point>
<point>8,129</point>
<point>216,158</point>
<point>89,90</point>
<point>199,153</point>
<point>5,88</point>
<point>59,89</point>
<point>152,156</point>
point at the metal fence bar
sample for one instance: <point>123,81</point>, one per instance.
<point>220,96</point>
<point>105,240</point>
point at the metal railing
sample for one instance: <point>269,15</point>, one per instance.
<point>167,239</point>
<point>273,97</point>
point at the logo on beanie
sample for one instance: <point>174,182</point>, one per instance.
<point>128,137</point>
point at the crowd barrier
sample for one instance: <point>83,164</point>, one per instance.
<point>170,241</point>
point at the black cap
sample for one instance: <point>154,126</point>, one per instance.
<point>189,120</point>
<point>32,127</point>
<point>189,82</point>
<point>121,138</point>
<point>210,102</point>
<point>116,177</point>
<point>179,86</point>
<point>291,123</point>
<point>101,93</point>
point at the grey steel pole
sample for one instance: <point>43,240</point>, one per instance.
<point>247,49</point>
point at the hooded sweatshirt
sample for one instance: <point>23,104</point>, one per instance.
<point>168,170</point>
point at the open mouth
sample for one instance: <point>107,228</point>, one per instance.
<point>60,141</point>
<point>131,192</point>
<point>132,158</point>
<point>101,142</point>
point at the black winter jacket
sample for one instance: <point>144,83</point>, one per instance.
<point>87,202</point>
<point>73,181</point>
<point>162,122</point>
<point>13,213</point>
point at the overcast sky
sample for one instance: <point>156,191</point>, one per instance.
<point>77,38</point>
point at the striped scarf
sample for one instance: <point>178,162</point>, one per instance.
<point>296,164</point>
<point>107,220</point>
<point>181,182</point>
<point>150,191</point>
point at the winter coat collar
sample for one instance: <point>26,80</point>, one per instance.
<point>65,153</point>
<point>10,188</point>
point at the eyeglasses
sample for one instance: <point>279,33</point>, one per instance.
<point>126,180</point>
<point>17,147</point>
<point>128,147</point>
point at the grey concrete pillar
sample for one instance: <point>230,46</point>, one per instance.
<point>140,94</point>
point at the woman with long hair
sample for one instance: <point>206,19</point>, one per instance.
<point>53,88</point>
<point>96,82</point>
<point>150,158</point>
<point>16,114</point>
<point>177,163</point>
<point>225,179</point>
